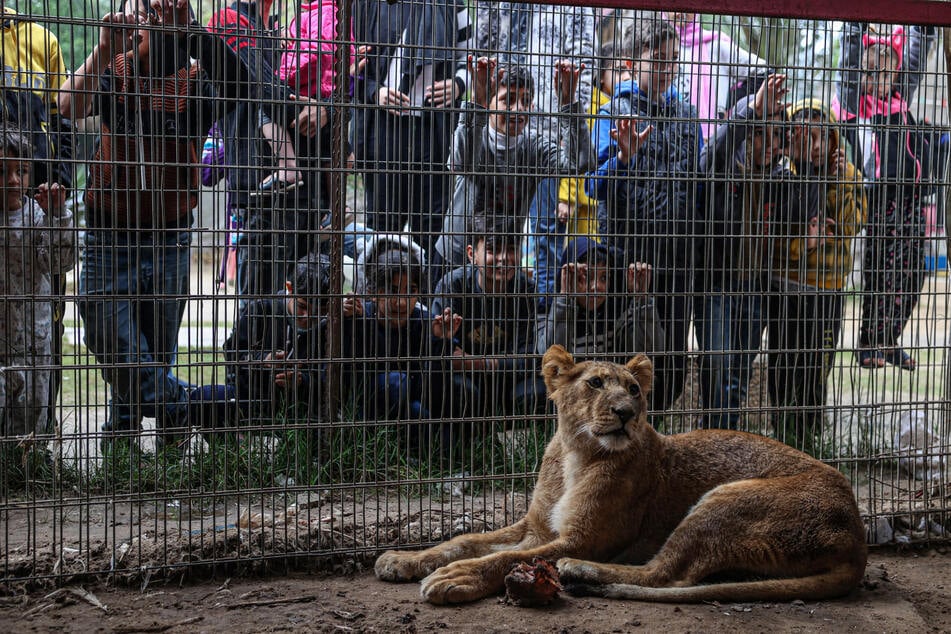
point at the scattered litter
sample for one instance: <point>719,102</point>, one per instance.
<point>81,593</point>
<point>217,528</point>
<point>457,484</point>
<point>920,449</point>
<point>283,481</point>
<point>880,531</point>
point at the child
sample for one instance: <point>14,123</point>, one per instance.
<point>713,68</point>
<point>37,244</point>
<point>595,315</point>
<point>804,309</point>
<point>370,245</point>
<point>307,63</point>
<point>752,194</point>
<point>273,354</point>
<point>574,206</point>
<point>491,368</point>
<point>389,341</point>
<point>889,151</point>
<point>651,190</point>
<point>499,162</point>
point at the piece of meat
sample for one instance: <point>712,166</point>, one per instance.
<point>532,584</point>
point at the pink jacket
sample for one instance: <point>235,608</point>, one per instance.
<point>307,65</point>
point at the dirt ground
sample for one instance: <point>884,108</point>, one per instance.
<point>902,592</point>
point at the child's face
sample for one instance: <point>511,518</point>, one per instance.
<point>809,141</point>
<point>613,75</point>
<point>655,69</point>
<point>509,110</point>
<point>591,287</point>
<point>395,304</point>
<point>878,73</point>
<point>765,144</point>
<point>305,313</point>
<point>496,260</point>
<point>140,8</point>
<point>15,177</point>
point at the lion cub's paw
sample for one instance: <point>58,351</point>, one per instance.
<point>573,570</point>
<point>459,582</point>
<point>400,566</point>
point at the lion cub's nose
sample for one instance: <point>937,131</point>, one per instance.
<point>623,413</point>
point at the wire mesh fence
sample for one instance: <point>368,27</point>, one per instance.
<point>277,276</point>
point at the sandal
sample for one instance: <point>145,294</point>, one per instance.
<point>900,358</point>
<point>870,358</point>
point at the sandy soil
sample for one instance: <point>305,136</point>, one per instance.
<point>902,592</point>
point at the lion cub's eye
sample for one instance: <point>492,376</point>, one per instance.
<point>596,382</point>
<point>634,389</point>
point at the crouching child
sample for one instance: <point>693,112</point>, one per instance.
<point>602,310</point>
<point>493,365</point>
<point>274,356</point>
<point>394,351</point>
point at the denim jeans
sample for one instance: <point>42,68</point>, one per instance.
<point>546,237</point>
<point>729,327</point>
<point>133,289</point>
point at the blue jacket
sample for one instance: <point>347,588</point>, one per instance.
<point>652,201</point>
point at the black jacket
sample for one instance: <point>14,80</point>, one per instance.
<point>263,327</point>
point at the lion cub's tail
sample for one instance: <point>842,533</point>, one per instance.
<point>838,581</point>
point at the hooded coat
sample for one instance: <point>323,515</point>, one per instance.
<point>651,202</point>
<point>888,146</point>
<point>747,212</point>
<point>620,328</point>
<point>827,265</point>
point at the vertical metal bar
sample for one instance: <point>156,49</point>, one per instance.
<point>338,192</point>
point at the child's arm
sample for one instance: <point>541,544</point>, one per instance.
<point>52,200</point>
<point>281,148</point>
<point>557,327</point>
<point>720,154</point>
<point>850,62</point>
<point>467,141</point>
<point>576,155</point>
<point>627,141</point>
<point>446,324</point>
<point>78,92</point>
<point>920,41</point>
<point>848,202</point>
<point>640,329</point>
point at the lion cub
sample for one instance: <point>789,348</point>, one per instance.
<point>689,509</point>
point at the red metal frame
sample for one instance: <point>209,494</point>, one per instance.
<point>936,12</point>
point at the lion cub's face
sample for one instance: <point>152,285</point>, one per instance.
<point>599,404</point>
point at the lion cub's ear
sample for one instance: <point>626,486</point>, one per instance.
<point>643,371</point>
<point>555,364</point>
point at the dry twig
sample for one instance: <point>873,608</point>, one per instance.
<point>255,604</point>
<point>162,627</point>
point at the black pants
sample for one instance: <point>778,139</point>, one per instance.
<point>894,269</point>
<point>804,330</point>
<point>278,230</point>
<point>405,175</point>
<point>673,300</point>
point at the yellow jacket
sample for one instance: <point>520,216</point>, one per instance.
<point>828,265</point>
<point>571,190</point>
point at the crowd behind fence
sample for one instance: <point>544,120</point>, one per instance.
<point>277,276</point>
